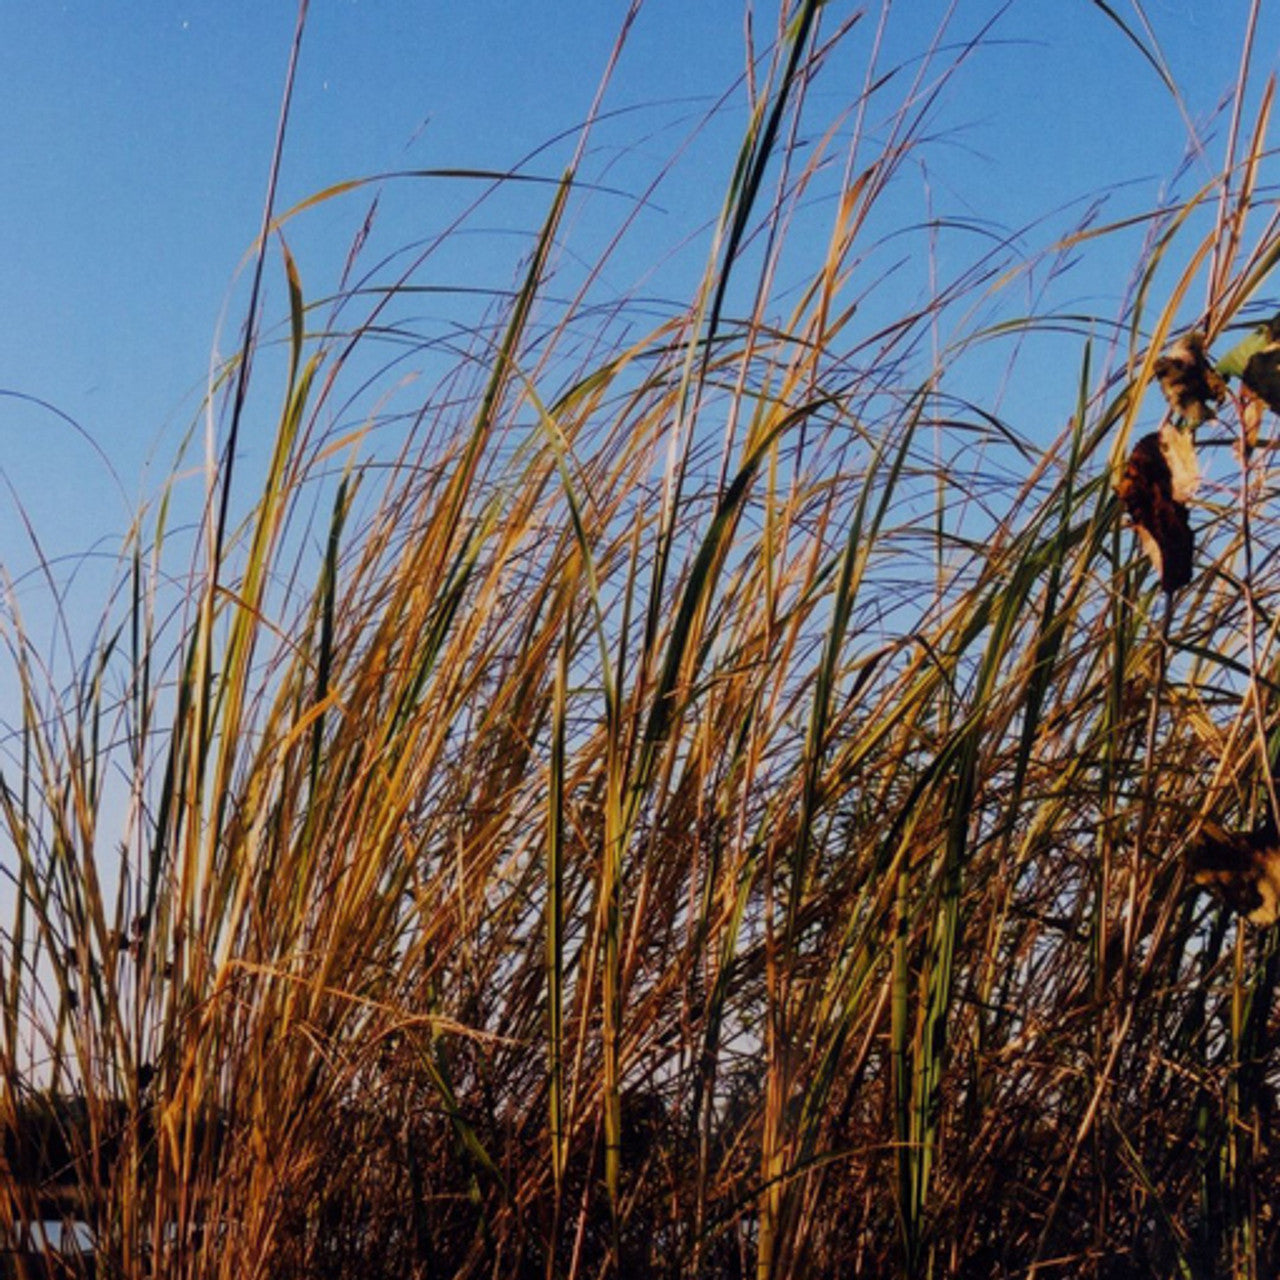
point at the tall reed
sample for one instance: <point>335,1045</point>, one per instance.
<point>705,802</point>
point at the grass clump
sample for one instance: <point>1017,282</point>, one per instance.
<point>705,802</point>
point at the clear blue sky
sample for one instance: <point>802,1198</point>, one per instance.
<point>137,135</point>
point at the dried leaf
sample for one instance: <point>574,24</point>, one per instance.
<point>1189,382</point>
<point>1262,376</point>
<point>1234,363</point>
<point>1147,490</point>
<point>1180,457</point>
<point>1251,411</point>
<point>1256,361</point>
<point>1241,868</point>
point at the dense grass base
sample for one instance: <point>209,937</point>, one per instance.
<point>707,803</point>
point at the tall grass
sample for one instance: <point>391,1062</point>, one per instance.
<point>709,802</point>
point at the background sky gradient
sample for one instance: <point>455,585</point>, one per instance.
<point>138,135</point>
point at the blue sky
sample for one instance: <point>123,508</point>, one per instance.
<point>138,133</point>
